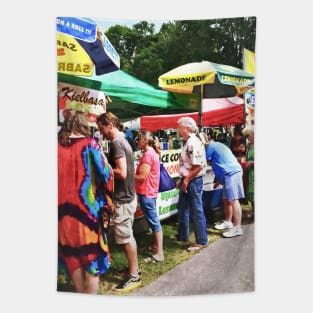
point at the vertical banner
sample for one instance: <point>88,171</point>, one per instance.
<point>249,66</point>
<point>249,61</point>
<point>249,106</point>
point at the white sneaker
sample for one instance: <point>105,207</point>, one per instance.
<point>224,225</point>
<point>235,231</point>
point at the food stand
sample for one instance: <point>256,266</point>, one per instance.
<point>216,112</point>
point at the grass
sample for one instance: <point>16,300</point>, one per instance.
<point>174,252</point>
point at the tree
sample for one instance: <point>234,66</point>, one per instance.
<point>146,54</point>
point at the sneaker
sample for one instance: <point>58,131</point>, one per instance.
<point>235,231</point>
<point>125,272</point>
<point>129,283</point>
<point>224,225</point>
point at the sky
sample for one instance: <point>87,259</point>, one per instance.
<point>105,24</point>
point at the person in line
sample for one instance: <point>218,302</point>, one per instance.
<point>147,180</point>
<point>238,144</point>
<point>120,157</point>
<point>228,172</point>
<point>85,181</point>
<point>192,167</point>
<point>249,166</point>
<point>238,148</point>
<point>130,137</point>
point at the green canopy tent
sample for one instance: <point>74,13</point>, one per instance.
<point>132,97</point>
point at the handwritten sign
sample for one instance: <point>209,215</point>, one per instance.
<point>72,97</point>
<point>170,160</point>
<point>166,203</point>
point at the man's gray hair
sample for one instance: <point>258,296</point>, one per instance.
<point>188,122</point>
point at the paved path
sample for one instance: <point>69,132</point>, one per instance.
<point>225,266</point>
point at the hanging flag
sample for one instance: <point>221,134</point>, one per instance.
<point>249,61</point>
<point>249,66</point>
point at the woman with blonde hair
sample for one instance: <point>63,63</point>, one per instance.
<point>147,179</point>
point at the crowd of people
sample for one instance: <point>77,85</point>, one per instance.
<point>95,188</point>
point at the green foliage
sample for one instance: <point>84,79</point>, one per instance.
<point>146,54</point>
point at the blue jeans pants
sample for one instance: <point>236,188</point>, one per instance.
<point>148,207</point>
<point>190,204</point>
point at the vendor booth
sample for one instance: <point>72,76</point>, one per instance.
<point>216,112</point>
<point>126,96</point>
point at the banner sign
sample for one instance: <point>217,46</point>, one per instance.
<point>80,28</point>
<point>233,79</point>
<point>73,97</point>
<point>186,82</point>
<point>110,51</point>
<point>72,58</point>
<point>250,99</point>
<point>166,203</point>
<point>250,107</point>
<point>170,160</point>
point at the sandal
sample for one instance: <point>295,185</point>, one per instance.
<point>151,249</point>
<point>148,248</point>
<point>153,259</point>
<point>196,247</point>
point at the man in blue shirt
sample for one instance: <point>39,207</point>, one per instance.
<point>228,172</point>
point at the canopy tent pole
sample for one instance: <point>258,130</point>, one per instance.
<point>200,110</point>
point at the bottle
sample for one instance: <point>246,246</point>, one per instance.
<point>161,143</point>
<point>170,143</point>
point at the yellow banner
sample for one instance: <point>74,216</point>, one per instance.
<point>249,61</point>
<point>72,58</point>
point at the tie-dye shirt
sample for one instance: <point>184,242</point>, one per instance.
<point>84,182</point>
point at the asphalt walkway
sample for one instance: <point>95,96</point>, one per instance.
<point>225,266</point>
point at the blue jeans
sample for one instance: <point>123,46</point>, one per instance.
<point>148,207</point>
<point>190,203</point>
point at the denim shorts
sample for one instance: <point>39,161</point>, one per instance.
<point>233,187</point>
<point>148,207</point>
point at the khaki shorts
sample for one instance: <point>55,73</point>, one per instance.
<point>123,219</point>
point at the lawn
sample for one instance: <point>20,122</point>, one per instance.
<point>174,252</point>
